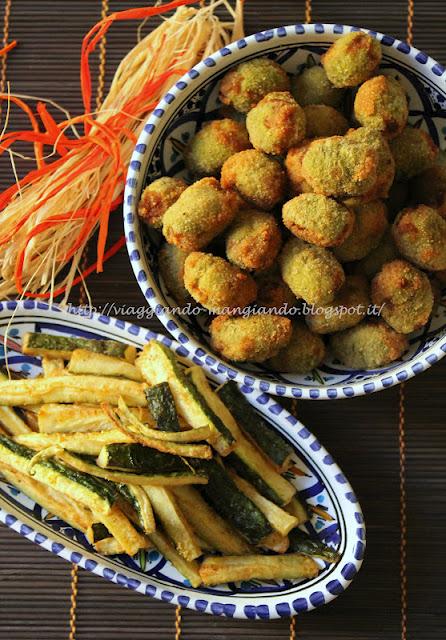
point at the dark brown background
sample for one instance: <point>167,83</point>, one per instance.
<point>360,433</point>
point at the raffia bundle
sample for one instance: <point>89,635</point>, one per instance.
<point>49,215</point>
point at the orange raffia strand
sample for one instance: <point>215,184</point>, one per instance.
<point>32,176</point>
<point>60,139</point>
<point>37,146</point>
<point>99,30</point>
<point>88,163</point>
<point>8,48</point>
<point>101,206</point>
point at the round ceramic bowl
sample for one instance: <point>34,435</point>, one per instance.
<point>194,100</point>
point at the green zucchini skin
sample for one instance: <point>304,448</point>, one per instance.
<point>223,494</point>
<point>167,366</point>
<point>162,407</point>
<point>100,532</point>
<point>260,431</point>
<point>36,341</point>
<point>301,542</point>
<point>249,474</point>
<point>105,490</point>
<point>139,459</point>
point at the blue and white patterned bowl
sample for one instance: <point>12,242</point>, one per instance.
<point>192,101</point>
<point>322,484</point>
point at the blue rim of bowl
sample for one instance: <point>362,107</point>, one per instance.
<point>214,365</point>
<point>327,589</point>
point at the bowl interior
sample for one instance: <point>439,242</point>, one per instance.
<point>193,101</point>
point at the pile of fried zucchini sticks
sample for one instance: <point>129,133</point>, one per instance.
<point>138,452</point>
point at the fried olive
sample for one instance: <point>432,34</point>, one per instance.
<point>312,273</point>
<point>352,59</point>
<point>381,103</point>
<point>347,309</point>
<point>420,236</point>
<point>171,265</point>
<point>318,219</point>
<point>256,178</point>
<point>313,87</point>
<point>414,151</point>
<point>255,338</point>
<point>293,166</point>
<point>276,123</point>
<point>324,121</point>
<point>157,198</point>
<point>213,145</point>
<point>245,85</point>
<point>201,212</point>
<point>404,294</point>
<point>340,166</point>
<point>368,345</point>
<point>374,142</point>
<point>216,284</point>
<point>253,241</point>
<point>304,352</point>
<point>273,293</point>
<point>370,226</point>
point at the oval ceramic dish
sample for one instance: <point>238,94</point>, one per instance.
<point>194,100</point>
<point>322,484</point>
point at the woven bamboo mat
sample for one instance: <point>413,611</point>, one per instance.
<point>362,434</point>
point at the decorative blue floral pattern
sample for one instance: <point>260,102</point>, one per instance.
<point>192,101</point>
<point>319,480</point>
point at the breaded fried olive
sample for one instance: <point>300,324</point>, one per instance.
<point>373,141</point>
<point>276,123</point>
<point>213,145</point>
<point>318,219</point>
<point>340,167</point>
<point>255,338</point>
<point>304,352</point>
<point>245,85</point>
<point>381,103</point>
<point>352,59</point>
<point>420,236</point>
<point>253,241</point>
<point>368,345</point>
<point>256,178</point>
<point>274,293</point>
<point>157,198</point>
<point>216,284</point>
<point>293,166</point>
<point>370,226</point>
<point>201,212</point>
<point>312,273</point>
<point>377,258</point>
<point>324,121</point>
<point>171,265</point>
<point>313,87</point>
<point>414,151</point>
<point>405,295</point>
<point>347,309</point>
<point>429,187</point>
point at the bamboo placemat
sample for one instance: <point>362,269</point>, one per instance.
<point>398,474</point>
